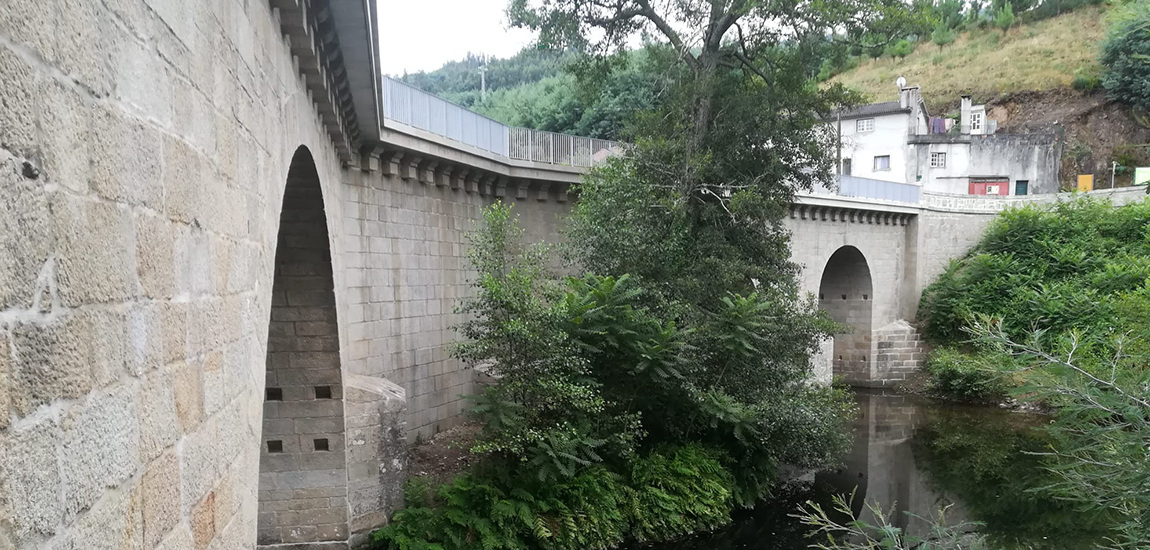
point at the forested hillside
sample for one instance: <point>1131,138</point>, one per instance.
<point>985,61</point>
<point>539,89</point>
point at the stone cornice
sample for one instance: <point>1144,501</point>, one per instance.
<point>309,28</point>
<point>844,214</point>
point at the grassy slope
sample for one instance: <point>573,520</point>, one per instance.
<point>984,63</point>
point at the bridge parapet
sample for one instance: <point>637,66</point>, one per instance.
<point>406,107</point>
<point>867,188</point>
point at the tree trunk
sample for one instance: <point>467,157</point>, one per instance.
<point>704,91</point>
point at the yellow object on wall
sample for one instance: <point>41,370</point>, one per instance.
<point>1086,182</point>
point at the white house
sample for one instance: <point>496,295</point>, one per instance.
<point>898,141</point>
<point>874,137</point>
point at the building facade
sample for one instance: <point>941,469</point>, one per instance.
<point>898,141</point>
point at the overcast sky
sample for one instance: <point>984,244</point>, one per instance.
<point>423,34</point>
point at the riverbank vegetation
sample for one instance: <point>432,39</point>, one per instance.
<point>669,378</point>
<point>1053,307</point>
<point>1079,266</point>
<point>619,413</point>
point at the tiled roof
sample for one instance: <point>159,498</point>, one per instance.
<point>873,109</point>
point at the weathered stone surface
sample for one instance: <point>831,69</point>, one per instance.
<point>109,345</point>
<point>188,388</point>
<point>30,24</point>
<point>160,424</point>
<point>83,36</point>
<point>31,479</point>
<point>182,180</point>
<point>125,159</point>
<point>199,464</point>
<point>51,362</point>
<point>115,523</point>
<point>179,539</point>
<point>154,257</point>
<point>18,106</point>
<point>161,497</point>
<point>6,364</point>
<point>174,330</point>
<point>97,251</point>
<point>65,127</point>
<point>100,447</point>
<point>204,521</point>
<point>26,234</point>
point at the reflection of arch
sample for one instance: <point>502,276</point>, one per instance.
<point>303,475</point>
<point>846,293</point>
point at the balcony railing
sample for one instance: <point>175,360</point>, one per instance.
<point>418,109</point>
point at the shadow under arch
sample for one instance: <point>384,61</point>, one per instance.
<point>846,293</point>
<point>303,484</point>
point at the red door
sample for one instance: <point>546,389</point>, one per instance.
<point>989,187</point>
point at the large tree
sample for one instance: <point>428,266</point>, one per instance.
<point>710,36</point>
<point>693,212</point>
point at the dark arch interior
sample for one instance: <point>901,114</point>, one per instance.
<point>846,294</point>
<point>303,472</point>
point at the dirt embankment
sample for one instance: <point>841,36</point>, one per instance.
<point>1093,131</point>
<point>444,455</point>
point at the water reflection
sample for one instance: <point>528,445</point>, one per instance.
<point>881,466</point>
<point>917,455</point>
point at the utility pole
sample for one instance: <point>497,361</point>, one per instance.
<point>839,136</point>
<point>483,78</point>
<point>1113,168</point>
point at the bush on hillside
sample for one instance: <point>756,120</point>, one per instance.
<point>899,49</point>
<point>1079,264</point>
<point>1053,8</point>
<point>942,36</point>
<point>968,377</point>
<point>1086,80</point>
<point>1126,55</point>
<point>1004,18</point>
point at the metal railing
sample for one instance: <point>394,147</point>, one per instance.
<point>553,148</point>
<point>409,105</point>
<point>413,107</point>
<point>866,188</point>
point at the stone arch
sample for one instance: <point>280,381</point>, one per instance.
<point>303,473</point>
<point>847,294</point>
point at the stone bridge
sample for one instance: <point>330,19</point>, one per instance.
<point>229,275</point>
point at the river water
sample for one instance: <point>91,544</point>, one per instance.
<point>918,455</point>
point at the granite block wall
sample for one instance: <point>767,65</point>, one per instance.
<point>405,259</point>
<point>144,148</point>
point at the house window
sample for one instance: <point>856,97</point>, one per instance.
<point>975,122</point>
<point>864,125</point>
<point>882,164</point>
<point>1021,187</point>
<point>938,160</point>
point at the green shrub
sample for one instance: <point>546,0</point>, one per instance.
<point>1125,52</point>
<point>1086,80</point>
<point>1004,19</point>
<point>596,371</point>
<point>942,35</point>
<point>969,377</point>
<point>678,492</point>
<point>501,511</point>
<point>900,49</point>
<point>668,493</point>
<point>1064,267</point>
